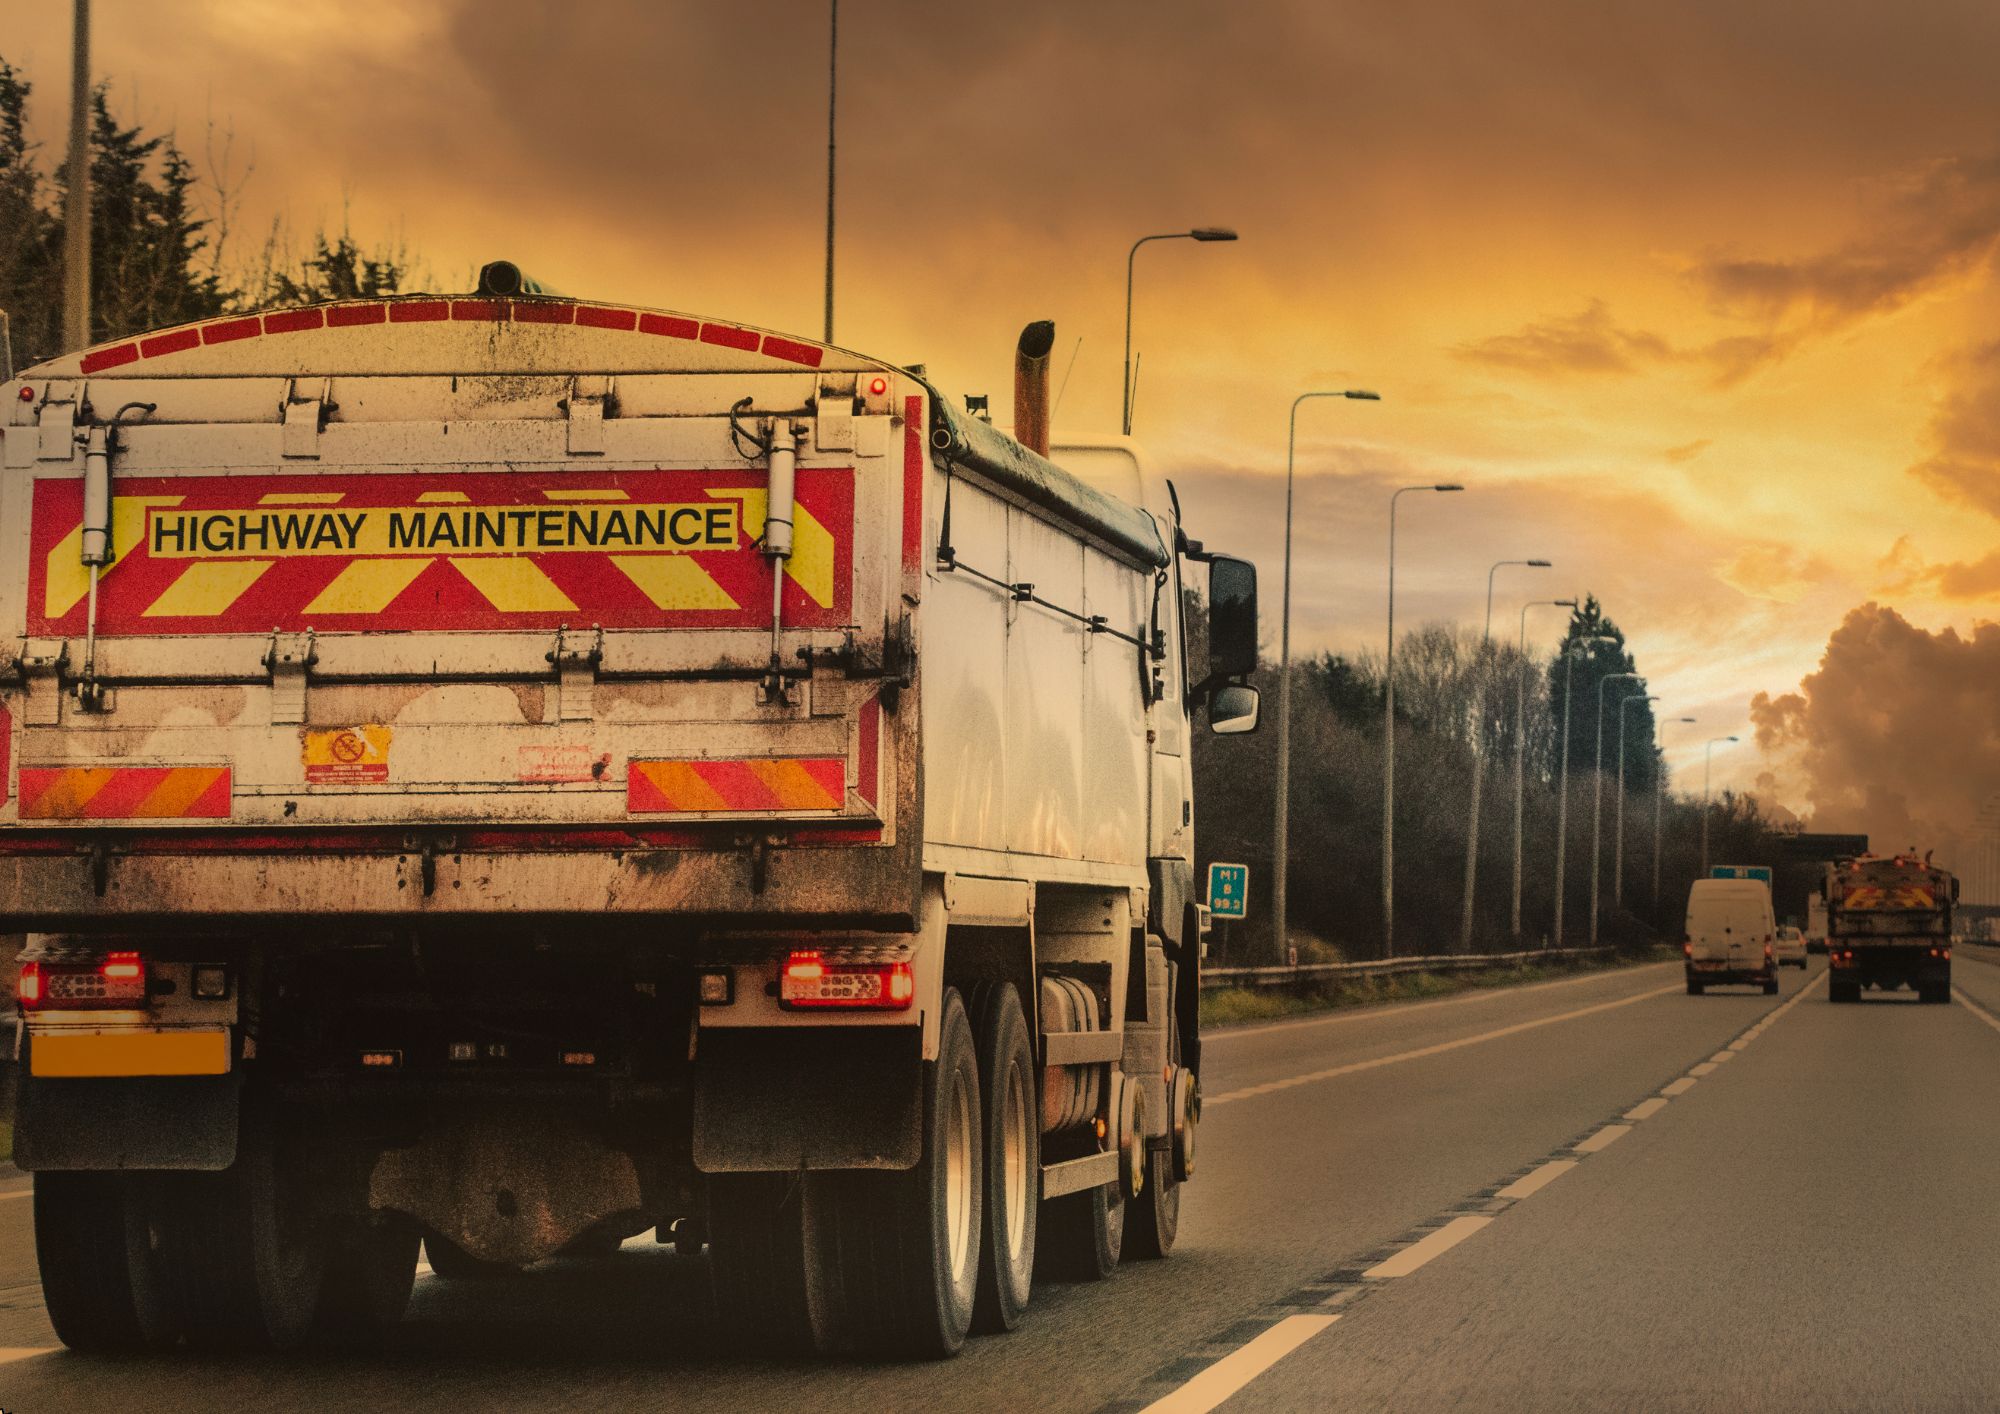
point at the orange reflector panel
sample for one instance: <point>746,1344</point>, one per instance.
<point>111,1053</point>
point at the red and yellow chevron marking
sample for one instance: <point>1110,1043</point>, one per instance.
<point>622,549</point>
<point>788,783</point>
<point>125,792</point>
<point>1913,897</point>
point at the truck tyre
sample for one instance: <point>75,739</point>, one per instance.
<point>893,1258</point>
<point>369,1277</point>
<point>1843,991</point>
<point>1694,987</point>
<point>100,1278</point>
<point>1013,1162</point>
<point>756,1259</point>
<point>1154,1218</point>
<point>451,1262</point>
<point>246,1250</point>
<point>1771,987</point>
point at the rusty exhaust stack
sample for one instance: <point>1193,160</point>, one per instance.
<point>1031,386</point>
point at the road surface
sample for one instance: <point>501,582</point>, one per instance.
<point>1591,1194</point>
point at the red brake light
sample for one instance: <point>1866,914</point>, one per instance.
<point>118,981</point>
<point>877,386</point>
<point>28,991</point>
<point>809,980</point>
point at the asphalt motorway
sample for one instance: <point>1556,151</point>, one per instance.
<point>1595,1193</point>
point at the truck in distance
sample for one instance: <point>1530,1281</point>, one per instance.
<point>512,773</point>
<point>1888,926</point>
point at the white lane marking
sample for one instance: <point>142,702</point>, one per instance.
<point>1235,1370</point>
<point>1720,1056</point>
<point>1355,1067</point>
<point>1679,1087</point>
<point>1435,1245</point>
<point>424,1268</point>
<point>1538,1180</point>
<point>1604,1138</point>
<point>17,1193</point>
<point>1236,1033</point>
<point>1646,1109</point>
<point>11,1353</point>
<point>1739,1043</point>
<point>1705,1068</point>
<point>1975,1008</point>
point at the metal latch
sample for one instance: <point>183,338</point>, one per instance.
<point>42,663</point>
<point>290,659</point>
<point>585,407</point>
<point>306,411</point>
<point>833,408</point>
<point>576,656</point>
<point>57,419</point>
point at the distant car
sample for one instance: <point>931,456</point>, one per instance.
<point>1790,947</point>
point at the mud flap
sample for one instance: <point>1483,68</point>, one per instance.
<point>779,1101</point>
<point>149,1122</point>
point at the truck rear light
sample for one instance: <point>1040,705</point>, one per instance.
<point>716,986</point>
<point>807,980</point>
<point>579,1058</point>
<point>1687,948</point>
<point>381,1060</point>
<point>117,981</point>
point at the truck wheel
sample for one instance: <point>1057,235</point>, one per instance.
<point>757,1261</point>
<point>1155,1216</point>
<point>894,1257</point>
<point>100,1278</point>
<point>1843,991</point>
<point>369,1277</point>
<point>246,1249</point>
<point>1771,988</point>
<point>1082,1234</point>
<point>1694,987</point>
<point>451,1262</point>
<point>1013,1162</point>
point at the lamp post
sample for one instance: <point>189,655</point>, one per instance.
<point>1657,793</point>
<point>1200,233</point>
<point>1389,733</point>
<point>1521,747</point>
<point>1597,798</point>
<point>1281,825</point>
<point>1707,764</point>
<point>1479,757</point>
<point>1618,836</point>
<point>1562,788</point>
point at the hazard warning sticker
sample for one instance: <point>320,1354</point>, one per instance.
<point>348,756</point>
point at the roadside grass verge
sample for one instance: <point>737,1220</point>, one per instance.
<point>1232,1006</point>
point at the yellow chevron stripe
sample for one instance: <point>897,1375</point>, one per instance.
<point>302,498</point>
<point>451,497</point>
<point>69,579</point>
<point>605,495</point>
<point>683,785</point>
<point>207,588</point>
<point>674,582</point>
<point>367,586</point>
<point>811,564</point>
<point>792,785</point>
<point>513,586</point>
<point>172,797</point>
<point>70,795</point>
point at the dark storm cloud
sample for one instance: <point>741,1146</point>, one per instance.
<point>1593,343</point>
<point>1964,464</point>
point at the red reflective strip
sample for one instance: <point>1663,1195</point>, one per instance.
<point>739,788</point>
<point>212,803</point>
<point>868,750</point>
<point>172,342</point>
<point>643,793</point>
<point>419,311</point>
<point>343,316</point>
<point>913,485</point>
<point>477,308</point>
<point>28,842</point>
<point>543,312</point>
<point>729,337</point>
<point>228,331</point>
<point>292,321</point>
<point>6,748</point>
<point>597,317</point>
<point>792,351</point>
<point>124,789</point>
<point>100,359</point>
<point>670,325</point>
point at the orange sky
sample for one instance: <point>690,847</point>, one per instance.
<point>1697,300</point>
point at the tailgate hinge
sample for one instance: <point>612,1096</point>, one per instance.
<point>42,663</point>
<point>305,413</point>
<point>585,407</point>
<point>56,417</point>
<point>290,658</point>
<point>576,656</point>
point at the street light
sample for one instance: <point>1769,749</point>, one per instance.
<point>1479,757</point>
<point>1389,734</point>
<point>1282,816</point>
<point>1521,745</point>
<point>1657,793</point>
<point>1707,764</point>
<point>1618,837</point>
<point>1199,233</point>
<point>1562,788</point>
<point>1597,798</point>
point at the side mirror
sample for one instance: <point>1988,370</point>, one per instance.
<point>1232,618</point>
<point>1232,709</point>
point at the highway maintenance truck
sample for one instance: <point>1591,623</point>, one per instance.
<point>512,773</point>
<point>1888,925</point>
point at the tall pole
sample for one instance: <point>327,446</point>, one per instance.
<point>76,206</point>
<point>1389,735</point>
<point>1281,825</point>
<point>1521,750</point>
<point>1659,790</point>
<point>1562,790</point>
<point>1479,758</point>
<point>832,80</point>
<point>1597,800</point>
<point>1707,765</point>
<point>1199,233</point>
<point>1618,837</point>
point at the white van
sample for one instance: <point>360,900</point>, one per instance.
<point>1731,934</point>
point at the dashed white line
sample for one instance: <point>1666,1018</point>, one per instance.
<point>17,1193</point>
<point>1646,1109</point>
<point>1720,1056</point>
<point>1679,1087</point>
<point>1604,1138</point>
<point>11,1353</point>
<point>1536,1181</point>
<point>1705,1068</point>
<point>1975,1008</point>
<point>1435,1245</point>
<point>1235,1370</point>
